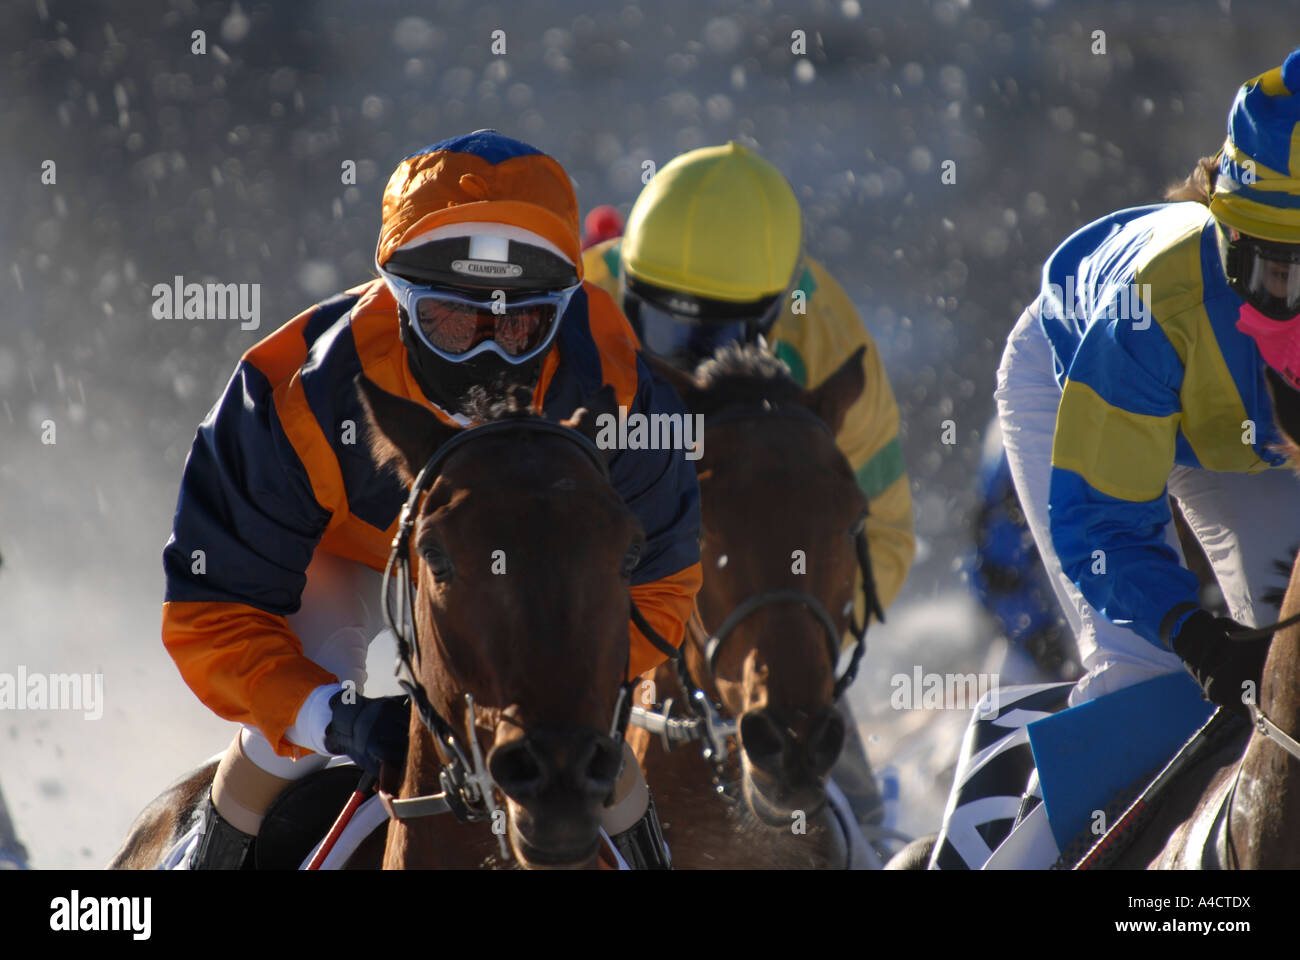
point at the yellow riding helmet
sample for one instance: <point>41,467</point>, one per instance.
<point>1256,196</point>
<point>1257,191</point>
<point>718,223</point>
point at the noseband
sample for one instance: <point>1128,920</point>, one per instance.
<point>708,723</point>
<point>467,787</point>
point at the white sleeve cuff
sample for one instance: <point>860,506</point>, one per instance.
<point>314,716</point>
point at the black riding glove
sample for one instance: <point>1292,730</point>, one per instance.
<point>1218,663</point>
<point>370,731</point>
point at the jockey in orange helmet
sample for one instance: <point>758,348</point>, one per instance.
<point>282,509</point>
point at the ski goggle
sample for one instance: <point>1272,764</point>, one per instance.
<point>1267,275</point>
<point>458,325</point>
<point>672,337</point>
<point>1272,279</point>
<point>685,339</point>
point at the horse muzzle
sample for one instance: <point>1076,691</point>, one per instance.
<point>786,771</point>
<point>556,786</point>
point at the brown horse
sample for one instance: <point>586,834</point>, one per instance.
<point>781,510</point>
<point>1241,810</point>
<point>524,553</point>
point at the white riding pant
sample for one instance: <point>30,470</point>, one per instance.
<point>1240,520</point>
<point>338,618</point>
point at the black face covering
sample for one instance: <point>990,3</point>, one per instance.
<point>449,384</point>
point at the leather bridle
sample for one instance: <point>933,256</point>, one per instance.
<point>1258,719</point>
<point>707,722</point>
<point>468,790</point>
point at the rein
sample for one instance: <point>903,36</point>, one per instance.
<point>1263,726</point>
<point>1259,633</point>
<point>1258,719</point>
<point>468,790</point>
<point>707,722</point>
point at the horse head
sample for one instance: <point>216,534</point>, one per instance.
<point>522,552</point>
<point>781,512</point>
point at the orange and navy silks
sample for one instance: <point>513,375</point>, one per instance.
<point>270,478</point>
<point>1154,372</point>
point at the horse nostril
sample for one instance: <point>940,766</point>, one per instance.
<point>602,763</point>
<point>825,741</point>
<point>607,762</point>
<point>762,740</point>
<point>518,769</point>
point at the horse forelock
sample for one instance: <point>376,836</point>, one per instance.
<point>744,374</point>
<point>486,406</point>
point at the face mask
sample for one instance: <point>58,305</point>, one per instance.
<point>1278,341</point>
<point>450,385</point>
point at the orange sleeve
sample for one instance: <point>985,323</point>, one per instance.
<point>666,604</point>
<point>245,664</point>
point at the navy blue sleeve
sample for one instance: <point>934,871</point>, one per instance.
<point>660,487</point>
<point>246,502</point>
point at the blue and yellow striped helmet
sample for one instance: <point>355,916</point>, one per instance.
<point>1257,191</point>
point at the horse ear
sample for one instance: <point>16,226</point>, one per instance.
<point>682,382</point>
<point>832,399</point>
<point>587,419</point>
<point>403,435</point>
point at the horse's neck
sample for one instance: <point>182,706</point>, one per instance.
<point>1279,695</point>
<point>1265,822</point>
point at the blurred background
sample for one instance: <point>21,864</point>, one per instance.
<point>226,167</point>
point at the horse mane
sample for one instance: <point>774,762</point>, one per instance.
<point>743,373</point>
<point>1282,567</point>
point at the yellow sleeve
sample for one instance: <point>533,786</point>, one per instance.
<point>814,345</point>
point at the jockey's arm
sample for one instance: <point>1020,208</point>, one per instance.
<point>818,343</point>
<point>1113,449</point>
<point>660,487</point>
<point>246,526</point>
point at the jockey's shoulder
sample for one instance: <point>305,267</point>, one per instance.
<point>1159,244</point>
<point>1171,261</point>
<point>819,327</point>
<point>817,302</point>
<point>283,353</point>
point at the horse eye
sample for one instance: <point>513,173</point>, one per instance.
<point>439,564</point>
